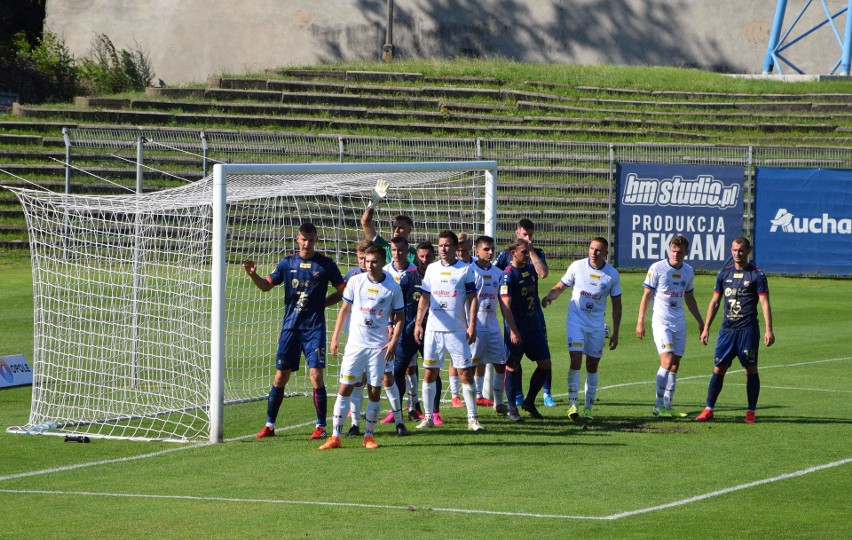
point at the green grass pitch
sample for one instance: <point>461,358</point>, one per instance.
<point>627,475</point>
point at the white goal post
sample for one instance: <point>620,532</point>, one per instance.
<point>145,323</point>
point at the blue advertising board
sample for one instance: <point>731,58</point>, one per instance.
<point>803,221</point>
<point>655,202</point>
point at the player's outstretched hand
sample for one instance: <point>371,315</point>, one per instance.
<point>379,192</point>
<point>249,267</point>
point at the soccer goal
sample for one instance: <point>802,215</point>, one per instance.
<point>146,324</point>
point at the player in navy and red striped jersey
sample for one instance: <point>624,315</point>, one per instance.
<point>524,332</point>
<point>743,287</point>
<point>525,230</point>
<point>306,276</point>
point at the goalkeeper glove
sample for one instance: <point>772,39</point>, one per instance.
<point>379,192</point>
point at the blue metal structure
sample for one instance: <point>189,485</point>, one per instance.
<point>779,43</point>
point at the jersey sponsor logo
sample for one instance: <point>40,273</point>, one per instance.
<point>738,276</point>
<point>591,295</point>
<point>372,290</point>
<point>445,294</point>
<point>486,276</point>
<point>676,276</point>
<point>702,192</point>
<point>446,274</point>
<point>824,224</point>
<point>504,290</point>
<point>304,265</point>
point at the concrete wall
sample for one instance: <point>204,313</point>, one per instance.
<point>187,40</point>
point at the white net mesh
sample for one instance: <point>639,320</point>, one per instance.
<point>122,290</point>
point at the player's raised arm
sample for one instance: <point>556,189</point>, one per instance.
<point>379,193</point>
<point>251,269</point>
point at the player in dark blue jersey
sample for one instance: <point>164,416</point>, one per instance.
<point>741,286</point>
<point>524,332</point>
<point>306,276</point>
<point>525,230</point>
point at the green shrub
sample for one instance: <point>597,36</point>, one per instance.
<point>110,71</point>
<point>44,72</point>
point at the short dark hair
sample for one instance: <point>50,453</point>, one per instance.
<point>425,245</point>
<point>602,240</point>
<point>483,240</point>
<point>526,224</point>
<point>307,228</point>
<point>743,241</point>
<point>399,240</point>
<point>446,233</point>
<point>403,218</point>
<point>375,250</point>
<point>680,241</point>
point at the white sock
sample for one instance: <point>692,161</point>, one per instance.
<point>411,388</point>
<point>573,386</point>
<point>670,389</point>
<point>341,409</point>
<point>480,383</point>
<point>469,393</point>
<point>497,387</point>
<point>662,377</point>
<point>392,394</point>
<point>355,401</point>
<point>373,408</point>
<point>454,385</point>
<point>591,389</point>
<point>428,397</point>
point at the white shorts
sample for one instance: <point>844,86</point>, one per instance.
<point>589,342</point>
<point>488,348</point>
<point>369,360</point>
<point>437,344</point>
<point>668,339</point>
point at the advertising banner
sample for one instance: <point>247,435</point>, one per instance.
<point>803,221</point>
<point>15,371</point>
<point>655,202</point>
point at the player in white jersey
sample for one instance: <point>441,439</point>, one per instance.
<point>464,254</point>
<point>592,280</point>
<point>488,347</point>
<point>670,283</point>
<point>374,301</point>
<point>447,286</point>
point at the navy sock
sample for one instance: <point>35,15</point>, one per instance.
<point>439,387</point>
<point>536,382</point>
<point>518,379</point>
<point>752,390</point>
<point>321,404</point>
<point>714,389</point>
<point>509,385</point>
<point>548,378</point>
<point>399,369</point>
<point>273,404</point>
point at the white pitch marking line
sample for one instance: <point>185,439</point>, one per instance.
<point>611,517</point>
<point>131,458</point>
<point>725,491</point>
<point>763,387</point>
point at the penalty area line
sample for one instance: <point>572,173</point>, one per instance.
<point>414,508</point>
<point>181,448</point>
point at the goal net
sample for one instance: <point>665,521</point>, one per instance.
<point>146,324</point>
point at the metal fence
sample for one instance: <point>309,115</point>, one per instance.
<point>566,188</point>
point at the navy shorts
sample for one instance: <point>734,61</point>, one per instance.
<point>534,345</point>
<point>407,348</point>
<point>291,345</point>
<point>742,343</point>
